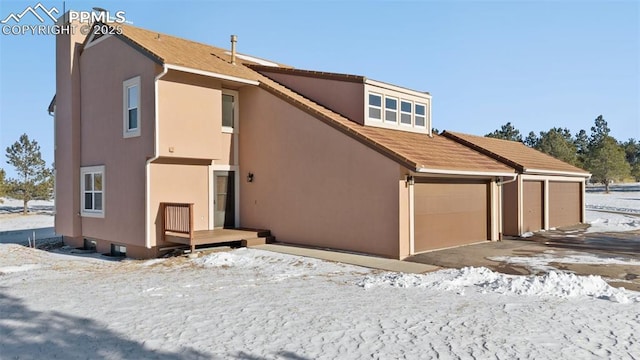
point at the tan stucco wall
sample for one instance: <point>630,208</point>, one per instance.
<point>190,116</point>
<point>225,147</point>
<point>314,185</point>
<point>181,184</point>
<point>67,132</point>
<point>343,97</point>
<point>104,68</point>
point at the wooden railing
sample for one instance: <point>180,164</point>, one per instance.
<point>177,218</point>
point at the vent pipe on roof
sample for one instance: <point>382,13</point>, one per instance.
<point>234,40</point>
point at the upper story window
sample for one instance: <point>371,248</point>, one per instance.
<point>92,191</point>
<point>391,109</point>
<point>398,110</point>
<point>405,112</point>
<point>421,115</point>
<point>229,111</point>
<point>375,106</point>
<point>131,107</point>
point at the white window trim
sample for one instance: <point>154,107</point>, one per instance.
<point>397,100</point>
<point>415,112</point>
<point>126,132</point>
<point>381,107</point>
<point>236,112</point>
<point>83,172</point>
<point>410,113</point>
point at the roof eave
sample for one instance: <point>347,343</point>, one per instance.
<point>528,171</point>
<point>470,173</point>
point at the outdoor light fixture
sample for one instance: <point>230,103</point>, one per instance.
<point>410,180</point>
<point>250,177</point>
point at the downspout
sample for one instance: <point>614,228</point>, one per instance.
<point>156,155</point>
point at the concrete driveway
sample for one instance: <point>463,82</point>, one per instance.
<point>509,256</point>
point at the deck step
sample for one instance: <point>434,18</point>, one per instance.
<point>257,241</point>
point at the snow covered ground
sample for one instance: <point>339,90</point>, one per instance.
<point>251,304</point>
<point>617,211</point>
<point>11,218</point>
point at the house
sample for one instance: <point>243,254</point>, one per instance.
<point>548,193</point>
<point>159,138</point>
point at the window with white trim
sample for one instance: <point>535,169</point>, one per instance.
<point>390,109</point>
<point>405,112</point>
<point>92,191</point>
<point>229,111</point>
<point>421,115</point>
<point>131,107</point>
<point>375,106</point>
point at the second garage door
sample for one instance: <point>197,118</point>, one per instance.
<point>565,203</point>
<point>450,214</point>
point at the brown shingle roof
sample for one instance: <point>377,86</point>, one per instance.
<point>515,154</point>
<point>177,51</point>
<point>413,150</point>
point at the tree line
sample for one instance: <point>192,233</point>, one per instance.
<point>599,153</point>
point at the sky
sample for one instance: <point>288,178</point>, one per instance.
<point>536,64</point>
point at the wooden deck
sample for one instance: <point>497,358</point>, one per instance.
<point>177,228</point>
<point>218,236</point>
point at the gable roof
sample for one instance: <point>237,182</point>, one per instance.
<point>517,155</point>
<point>417,152</point>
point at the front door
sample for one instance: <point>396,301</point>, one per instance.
<point>224,200</point>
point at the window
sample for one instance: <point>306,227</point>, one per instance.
<point>131,107</point>
<point>92,191</point>
<point>421,115</point>
<point>229,111</point>
<point>405,112</point>
<point>375,106</point>
<point>391,109</point>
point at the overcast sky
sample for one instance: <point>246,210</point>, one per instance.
<point>536,64</point>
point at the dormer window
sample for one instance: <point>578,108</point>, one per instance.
<point>421,115</point>
<point>375,106</point>
<point>391,109</point>
<point>405,112</point>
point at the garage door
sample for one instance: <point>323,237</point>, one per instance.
<point>532,205</point>
<point>564,203</point>
<point>450,214</point>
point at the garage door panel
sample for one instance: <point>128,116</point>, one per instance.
<point>450,214</point>
<point>564,203</point>
<point>533,205</point>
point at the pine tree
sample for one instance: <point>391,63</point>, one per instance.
<point>607,162</point>
<point>581,142</point>
<point>558,143</point>
<point>34,178</point>
<point>632,152</point>
<point>531,140</point>
<point>599,131</point>
<point>506,132</point>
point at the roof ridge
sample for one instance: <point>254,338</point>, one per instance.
<point>310,73</point>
